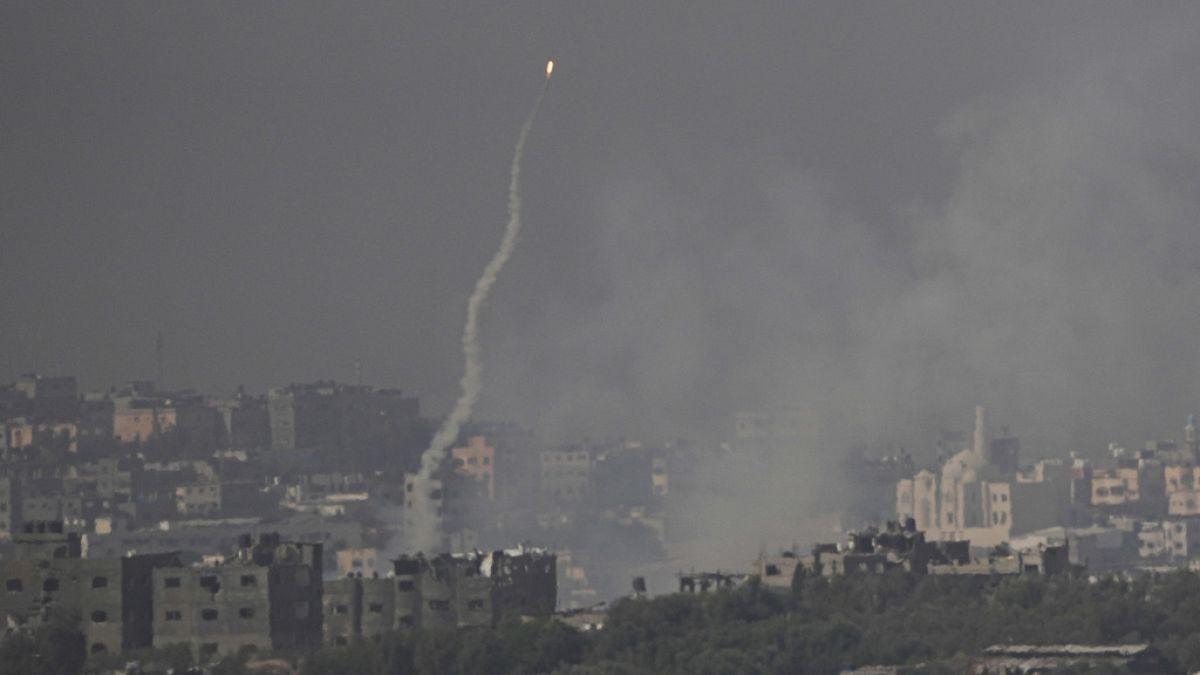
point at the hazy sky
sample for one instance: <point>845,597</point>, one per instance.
<point>881,212</point>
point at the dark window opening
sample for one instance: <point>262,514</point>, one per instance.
<point>208,614</point>
<point>99,616</point>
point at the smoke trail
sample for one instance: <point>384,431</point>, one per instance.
<point>424,524</point>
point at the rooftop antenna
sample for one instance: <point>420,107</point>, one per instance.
<point>358,371</point>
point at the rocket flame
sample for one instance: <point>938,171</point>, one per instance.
<point>549,69</point>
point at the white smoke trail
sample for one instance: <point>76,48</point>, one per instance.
<point>424,525</point>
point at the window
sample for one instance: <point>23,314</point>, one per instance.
<point>172,582</point>
<point>439,605</point>
<point>341,609</point>
<point>210,583</point>
<point>14,586</point>
<point>99,616</point>
<point>301,610</point>
<point>99,582</point>
<point>406,621</point>
<point>341,641</point>
<point>50,585</point>
<point>98,648</point>
<point>772,570</point>
<point>208,649</point>
<point>474,604</point>
<point>246,612</point>
<point>405,585</point>
<point>208,614</point>
<point>249,580</point>
<point>173,615</point>
<point>375,608</point>
<point>356,564</point>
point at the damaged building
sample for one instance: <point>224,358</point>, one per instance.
<point>111,596</point>
<point>447,591</point>
<point>267,596</point>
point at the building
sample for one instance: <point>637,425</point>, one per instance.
<point>477,460</point>
<point>1182,537</point>
<point>566,474</point>
<point>244,422</point>
<point>345,422</point>
<point>111,596</point>
<point>359,561</point>
<point>267,596</point>
<point>971,498</point>
<point>447,591</point>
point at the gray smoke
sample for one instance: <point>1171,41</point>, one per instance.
<point>425,522</point>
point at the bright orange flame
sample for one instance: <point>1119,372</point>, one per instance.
<point>549,69</point>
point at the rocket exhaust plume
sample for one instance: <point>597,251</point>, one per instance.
<point>424,526</point>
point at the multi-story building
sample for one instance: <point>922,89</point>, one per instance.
<point>267,596</point>
<point>111,596</point>
<point>447,591</point>
<point>340,419</point>
<point>1182,537</point>
<point>566,474</point>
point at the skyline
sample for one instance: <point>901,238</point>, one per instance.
<point>873,213</point>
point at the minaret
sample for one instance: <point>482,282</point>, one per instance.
<point>1189,438</point>
<point>980,447</point>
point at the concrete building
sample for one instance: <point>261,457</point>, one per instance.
<point>268,596</point>
<point>566,474</point>
<point>244,422</point>
<point>1184,503</point>
<point>359,561</point>
<point>111,596</point>
<point>1152,541</point>
<point>1182,537</point>
<point>345,421</point>
<point>447,591</point>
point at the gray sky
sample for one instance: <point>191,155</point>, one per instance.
<point>880,212</point>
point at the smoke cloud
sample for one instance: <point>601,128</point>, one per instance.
<point>1055,282</point>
